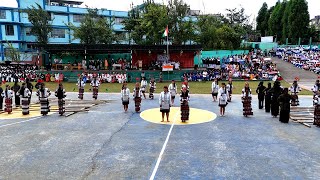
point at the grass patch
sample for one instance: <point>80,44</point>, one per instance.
<point>195,87</point>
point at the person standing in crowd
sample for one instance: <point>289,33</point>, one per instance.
<point>214,89</point>
<point>125,96</point>
<point>16,88</point>
<point>152,88</point>
<point>25,94</point>
<point>7,94</point>
<point>223,98</point>
<point>184,99</point>
<point>137,93</point>
<point>284,102</point>
<point>95,83</point>
<point>261,94</point>
<point>30,87</point>
<point>246,100</point>
<point>44,94</point>
<point>61,94</point>
<point>165,103</point>
<point>173,91</point>
<point>316,91</point>
<point>295,89</point>
<point>185,84</point>
<point>81,85</point>
<point>275,91</point>
<point>267,98</point>
<point>144,85</point>
<point>1,98</point>
<point>229,89</point>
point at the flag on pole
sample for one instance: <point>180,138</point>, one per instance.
<point>166,32</point>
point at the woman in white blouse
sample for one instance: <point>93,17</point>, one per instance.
<point>125,96</point>
<point>165,103</point>
<point>223,97</point>
<point>214,89</point>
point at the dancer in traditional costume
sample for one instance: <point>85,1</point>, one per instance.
<point>81,85</point>
<point>215,89</point>
<point>295,89</point>
<point>173,91</point>
<point>184,99</point>
<point>137,93</point>
<point>30,87</point>
<point>152,88</point>
<point>246,100</point>
<point>125,96</point>
<point>284,102</point>
<point>185,84</point>
<point>25,94</point>
<point>261,94</point>
<point>223,95</point>
<point>316,92</point>
<point>275,91</point>
<point>44,94</point>
<point>16,88</point>
<point>61,94</point>
<point>95,83</point>
<point>7,94</point>
<point>165,103</point>
<point>144,85</point>
<point>268,98</point>
<point>229,89</point>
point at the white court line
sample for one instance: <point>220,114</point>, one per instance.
<point>20,122</point>
<point>163,148</point>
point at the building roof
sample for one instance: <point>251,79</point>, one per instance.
<point>73,2</point>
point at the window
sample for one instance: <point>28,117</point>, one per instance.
<point>118,20</point>
<point>77,18</point>
<point>2,14</point>
<point>9,30</point>
<point>58,33</point>
<point>28,32</point>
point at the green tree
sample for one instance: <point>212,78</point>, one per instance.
<point>237,16</point>
<point>299,20</point>
<point>285,21</point>
<point>94,29</point>
<point>262,19</point>
<point>40,20</point>
<point>274,22</point>
<point>11,53</point>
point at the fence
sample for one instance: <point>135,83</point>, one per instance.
<point>217,53</point>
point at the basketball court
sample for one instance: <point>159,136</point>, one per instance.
<point>104,142</point>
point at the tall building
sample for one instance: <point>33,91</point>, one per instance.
<point>16,28</point>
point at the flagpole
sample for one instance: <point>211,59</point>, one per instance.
<point>168,55</point>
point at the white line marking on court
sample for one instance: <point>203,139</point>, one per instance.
<point>20,122</point>
<point>163,148</point>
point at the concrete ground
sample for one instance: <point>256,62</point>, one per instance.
<point>107,143</point>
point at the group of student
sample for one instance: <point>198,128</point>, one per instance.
<point>166,98</point>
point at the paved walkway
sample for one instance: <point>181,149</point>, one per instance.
<point>290,72</point>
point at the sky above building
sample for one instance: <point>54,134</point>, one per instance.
<point>207,6</point>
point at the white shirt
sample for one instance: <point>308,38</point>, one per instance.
<point>144,84</point>
<point>125,93</point>
<point>214,87</point>
<point>173,89</point>
<point>7,95</point>
<point>46,93</point>
<point>298,89</point>
<point>139,94</point>
<point>165,98</point>
<point>81,84</point>
<point>244,93</point>
<point>223,93</point>
<point>95,84</point>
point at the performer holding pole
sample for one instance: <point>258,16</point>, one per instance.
<point>215,89</point>
<point>246,100</point>
<point>137,93</point>
<point>184,99</point>
<point>173,91</point>
<point>81,85</point>
<point>25,94</point>
<point>295,89</point>
<point>44,94</point>
<point>152,88</point>
<point>125,96</point>
<point>7,94</point>
<point>61,94</point>
<point>144,85</point>
<point>223,98</point>
<point>165,103</point>
<point>95,83</point>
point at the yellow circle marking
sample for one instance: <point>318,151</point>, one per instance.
<point>34,112</point>
<point>196,116</point>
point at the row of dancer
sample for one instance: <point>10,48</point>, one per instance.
<point>24,94</point>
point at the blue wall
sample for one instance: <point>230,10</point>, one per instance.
<point>216,54</point>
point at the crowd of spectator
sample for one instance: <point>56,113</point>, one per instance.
<point>10,73</point>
